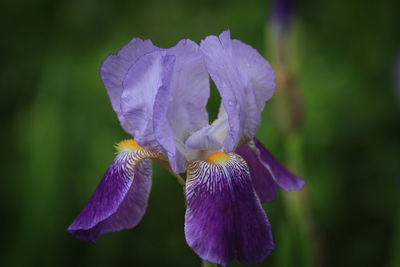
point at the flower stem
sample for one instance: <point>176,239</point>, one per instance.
<point>305,247</point>
<point>180,179</point>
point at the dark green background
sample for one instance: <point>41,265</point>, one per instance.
<point>58,128</point>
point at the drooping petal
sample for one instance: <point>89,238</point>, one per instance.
<point>115,67</point>
<point>120,200</point>
<point>142,82</point>
<point>180,109</point>
<point>284,178</point>
<point>266,172</point>
<point>245,81</point>
<point>224,219</point>
<point>263,182</point>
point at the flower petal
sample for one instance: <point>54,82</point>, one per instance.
<point>264,169</point>
<point>262,179</point>
<point>245,81</point>
<point>180,109</point>
<point>116,66</point>
<point>284,178</point>
<point>224,219</point>
<point>120,200</point>
<point>141,84</point>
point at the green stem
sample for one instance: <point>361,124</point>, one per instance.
<point>298,230</point>
<point>180,179</point>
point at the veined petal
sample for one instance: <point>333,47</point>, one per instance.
<point>224,219</point>
<point>116,66</point>
<point>120,200</point>
<point>266,172</point>
<point>245,81</point>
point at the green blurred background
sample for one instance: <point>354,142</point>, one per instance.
<point>58,130</point>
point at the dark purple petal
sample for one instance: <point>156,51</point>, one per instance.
<point>224,219</point>
<point>115,67</point>
<point>284,178</point>
<point>120,200</point>
<point>245,81</point>
<point>263,182</point>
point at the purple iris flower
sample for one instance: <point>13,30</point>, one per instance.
<point>283,12</point>
<point>160,97</point>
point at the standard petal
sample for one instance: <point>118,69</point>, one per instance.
<point>203,139</point>
<point>245,81</point>
<point>284,178</point>
<point>224,219</point>
<point>263,182</point>
<point>142,82</point>
<point>256,73</point>
<point>190,90</point>
<point>120,200</point>
<point>180,109</point>
<point>116,66</point>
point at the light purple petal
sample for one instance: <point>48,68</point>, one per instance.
<point>116,66</point>
<point>263,182</point>
<point>190,90</point>
<point>245,81</point>
<point>211,136</point>
<point>224,219</point>
<point>180,109</point>
<point>163,131</point>
<point>284,178</point>
<point>203,139</point>
<point>120,200</point>
<point>256,73</point>
<point>141,84</point>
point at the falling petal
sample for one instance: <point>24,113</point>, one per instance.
<point>263,182</point>
<point>120,200</point>
<point>224,218</point>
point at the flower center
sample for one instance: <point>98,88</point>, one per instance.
<point>219,158</point>
<point>128,144</point>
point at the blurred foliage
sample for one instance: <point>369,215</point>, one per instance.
<point>59,128</point>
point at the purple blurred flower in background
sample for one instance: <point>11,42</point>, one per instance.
<point>282,14</point>
<point>397,75</point>
<point>160,97</point>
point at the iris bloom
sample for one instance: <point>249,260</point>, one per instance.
<point>160,98</point>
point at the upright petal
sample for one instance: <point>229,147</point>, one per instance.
<point>120,200</point>
<point>245,81</point>
<point>115,67</point>
<point>180,109</point>
<point>141,85</point>
<point>224,219</point>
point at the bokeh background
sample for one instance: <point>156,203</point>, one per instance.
<point>58,128</point>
